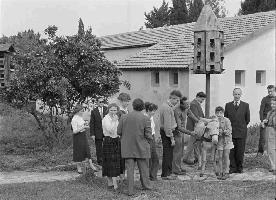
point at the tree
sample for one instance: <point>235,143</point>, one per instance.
<point>179,12</point>
<point>253,6</point>
<point>195,9</point>
<point>81,28</point>
<point>217,7</point>
<point>158,17</point>
<point>59,71</point>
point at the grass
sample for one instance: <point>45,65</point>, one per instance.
<point>95,188</point>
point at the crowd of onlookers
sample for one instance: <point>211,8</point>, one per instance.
<point>123,138</point>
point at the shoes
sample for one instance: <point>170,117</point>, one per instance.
<point>180,173</point>
<point>153,179</point>
<point>187,162</point>
<point>170,177</point>
<point>225,176</point>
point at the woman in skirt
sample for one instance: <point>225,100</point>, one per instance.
<point>111,147</point>
<point>81,150</point>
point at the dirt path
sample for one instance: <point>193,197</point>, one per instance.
<point>25,176</point>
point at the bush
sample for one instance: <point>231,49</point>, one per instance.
<point>20,134</point>
<point>252,141</point>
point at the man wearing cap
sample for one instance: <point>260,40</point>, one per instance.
<point>264,109</point>
<point>96,129</point>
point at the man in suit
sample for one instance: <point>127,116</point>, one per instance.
<point>135,131</point>
<point>264,109</point>
<point>196,109</point>
<point>96,129</point>
<point>239,114</point>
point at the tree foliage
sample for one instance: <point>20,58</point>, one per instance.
<point>158,17</point>
<point>253,6</point>
<point>60,71</point>
<point>179,12</point>
<point>182,11</point>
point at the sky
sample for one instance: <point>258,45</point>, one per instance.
<point>106,17</point>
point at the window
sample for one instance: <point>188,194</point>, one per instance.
<point>173,78</point>
<point>239,77</point>
<point>260,77</point>
<point>2,67</point>
<point>2,55</point>
<point>1,61</point>
<point>2,75</point>
<point>2,84</point>
<point>155,80</point>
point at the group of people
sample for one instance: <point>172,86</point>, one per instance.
<point>123,138</point>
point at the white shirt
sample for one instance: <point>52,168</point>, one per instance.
<point>238,102</point>
<point>101,111</point>
<point>78,124</point>
<point>152,124</point>
<point>110,126</point>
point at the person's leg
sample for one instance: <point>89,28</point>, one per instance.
<point>130,174</point>
<point>92,165</point>
<point>79,168</point>
<point>114,182</point>
<point>240,154</point>
<point>271,147</point>
<point>232,157</point>
<point>144,173</point>
<point>177,155</point>
<point>154,161</point>
<point>261,141</point>
<point>220,162</point>
<point>226,153</point>
<point>166,143</point>
<point>99,150</point>
<point>109,182</point>
<point>189,154</point>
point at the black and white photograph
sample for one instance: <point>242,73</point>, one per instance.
<point>147,99</point>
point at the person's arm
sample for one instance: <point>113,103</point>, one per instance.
<point>78,125</point>
<point>92,124</point>
<point>192,116</point>
<point>167,122</point>
<point>147,129</point>
<point>195,112</point>
<point>228,128</point>
<point>226,111</point>
<point>120,127</point>
<point>262,107</point>
<point>247,114</point>
<point>179,124</point>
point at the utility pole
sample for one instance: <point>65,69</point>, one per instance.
<point>208,48</point>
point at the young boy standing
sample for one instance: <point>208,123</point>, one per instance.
<point>224,143</point>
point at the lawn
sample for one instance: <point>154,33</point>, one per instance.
<point>95,188</point>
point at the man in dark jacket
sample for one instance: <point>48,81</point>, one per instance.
<point>239,114</point>
<point>96,129</point>
<point>196,109</point>
<point>264,109</point>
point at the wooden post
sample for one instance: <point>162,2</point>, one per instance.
<point>207,102</point>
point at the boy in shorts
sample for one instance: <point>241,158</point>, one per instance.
<point>224,143</point>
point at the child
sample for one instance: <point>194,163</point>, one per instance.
<point>224,143</point>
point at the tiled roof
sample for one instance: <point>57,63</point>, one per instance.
<point>6,48</point>
<point>173,47</point>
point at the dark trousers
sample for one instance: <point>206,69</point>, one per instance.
<point>153,161</point>
<point>99,150</point>
<point>167,154</point>
<point>261,140</point>
<point>143,170</point>
<point>237,154</point>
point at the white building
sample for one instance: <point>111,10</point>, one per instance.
<point>156,61</point>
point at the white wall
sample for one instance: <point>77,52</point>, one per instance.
<point>257,53</point>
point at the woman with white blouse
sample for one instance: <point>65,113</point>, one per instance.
<point>81,150</point>
<point>111,147</point>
